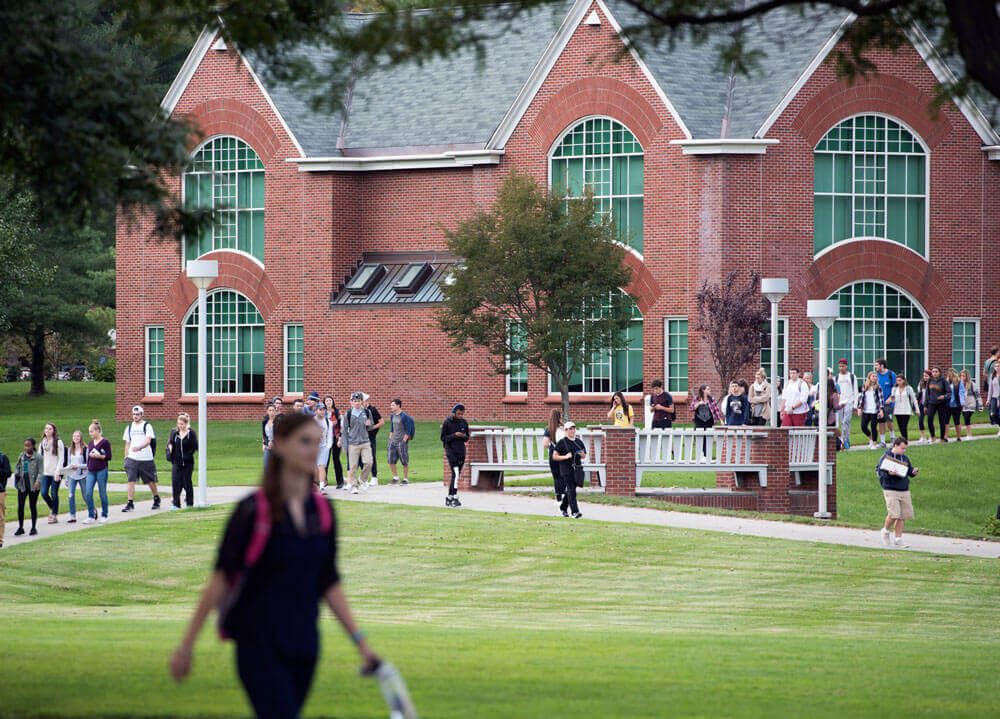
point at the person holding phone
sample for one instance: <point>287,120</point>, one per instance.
<point>894,471</point>
<point>620,411</point>
<point>454,435</point>
<point>569,453</point>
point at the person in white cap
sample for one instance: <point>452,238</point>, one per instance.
<point>140,448</point>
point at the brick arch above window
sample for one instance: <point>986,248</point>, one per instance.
<point>877,260</point>
<point>643,288</point>
<point>878,93</point>
<point>227,116</point>
<point>595,96</point>
<point>237,272</point>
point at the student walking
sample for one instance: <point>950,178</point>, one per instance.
<point>993,395</point>
<point>847,388</point>
<point>54,459</point>
<point>894,472</point>
<point>333,414</point>
<point>794,400</point>
<point>454,435</point>
<point>969,397</point>
<point>937,394</point>
<point>662,405</point>
<point>28,483</point>
<point>621,411</point>
<point>886,381</point>
<point>140,462</point>
<point>98,456</point>
<point>276,562</point>
<point>569,453</point>
<point>870,407</point>
<point>377,424</point>
<point>181,446</point>
<point>76,471</point>
<point>955,403</point>
<point>267,429</point>
<point>905,405</point>
<point>354,438</point>
<point>401,429</point>
<point>325,445</point>
<point>5,474</point>
<point>992,361</point>
<point>922,403</point>
<point>759,398</point>
<point>553,433</point>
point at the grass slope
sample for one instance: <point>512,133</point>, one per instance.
<point>508,616</point>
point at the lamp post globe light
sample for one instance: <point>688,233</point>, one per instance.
<point>822,313</point>
<point>774,289</point>
<point>202,273</point>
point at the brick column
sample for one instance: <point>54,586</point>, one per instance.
<point>772,450</point>
<point>475,451</point>
<point>619,457</point>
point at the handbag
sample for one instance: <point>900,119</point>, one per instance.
<point>578,475</point>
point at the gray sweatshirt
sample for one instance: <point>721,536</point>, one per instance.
<point>354,429</point>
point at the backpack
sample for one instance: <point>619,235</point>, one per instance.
<point>703,413</point>
<point>347,418</point>
<point>255,549</point>
<point>152,442</point>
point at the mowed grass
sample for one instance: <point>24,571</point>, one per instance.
<point>509,616</point>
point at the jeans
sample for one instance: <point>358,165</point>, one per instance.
<point>359,460</point>
<point>50,492</point>
<point>557,480</point>
<point>662,424</point>
<point>100,478</point>
<point>794,419</point>
<point>994,410</point>
<point>71,484</point>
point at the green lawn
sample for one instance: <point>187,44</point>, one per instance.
<point>508,616</point>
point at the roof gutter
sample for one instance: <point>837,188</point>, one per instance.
<point>725,146</point>
<point>454,158</point>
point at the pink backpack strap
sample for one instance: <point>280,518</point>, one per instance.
<point>261,530</point>
<point>325,515</point>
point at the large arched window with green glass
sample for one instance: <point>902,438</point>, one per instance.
<point>227,175</point>
<point>602,155</point>
<point>877,320</point>
<point>870,182</point>
<point>235,345</point>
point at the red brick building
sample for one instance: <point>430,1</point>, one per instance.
<point>331,250</point>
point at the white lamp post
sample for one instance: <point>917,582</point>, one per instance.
<point>201,273</point>
<point>774,289</point>
<point>822,313</point>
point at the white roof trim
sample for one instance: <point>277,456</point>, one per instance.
<point>725,146</point>
<point>945,76</point>
<point>456,158</point>
<point>804,77</point>
<point>274,108</point>
<point>184,75</point>
<point>992,151</point>
<point>645,71</point>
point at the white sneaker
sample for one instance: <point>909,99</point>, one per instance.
<point>998,433</point>
<point>872,445</point>
<point>88,520</point>
<point>354,490</point>
<point>898,542</point>
<point>373,482</point>
<point>322,486</point>
<point>103,520</point>
<point>886,536</point>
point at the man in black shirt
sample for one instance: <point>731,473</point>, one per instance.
<point>454,435</point>
<point>662,405</point>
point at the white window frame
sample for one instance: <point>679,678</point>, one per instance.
<point>284,362</point>
<point>666,351</point>
<point>975,361</point>
<point>782,320</point>
<point>146,332</point>
<point>506,377</point>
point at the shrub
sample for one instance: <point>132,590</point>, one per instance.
<point>104,372</point>
<point>992,527</point>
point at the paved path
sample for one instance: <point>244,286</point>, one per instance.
<point>431,494</point>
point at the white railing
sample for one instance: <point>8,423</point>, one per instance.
<point>802,453</point>
<point>665,450</point>
<point>523,448</point>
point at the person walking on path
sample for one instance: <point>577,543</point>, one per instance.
<point>181,446</point>
<point>969,396</point>
<point>5,474</point>
<point>905,405</point>
<point>98,457</point>
<point>662,405</point>
<point>454,435</point>
<point>894,471</point>
<point>794,400</point>
<point>870,406</point>
<point>54,461</point>
<point>333,414</point>
<point>355,440</point>
<point>76,472</point>
<point>955,403</point>
<point>847,388</point>
<point>553,433</point>
<point>937,394</point>
<point>834,404</point>
<point>621,411</point>
<point>276,562</point>
<point>886,381</point>
<point>267,429</point>
<point>325,445</point>
<point>401,430</point>
<point>28,483</point>
<point>140,452</point>
<point>993,395</point>
<point>377,424</point>
<point>759,397</point>
<point>992,361</point>
<point>569,453</point>
<point>922,403</point>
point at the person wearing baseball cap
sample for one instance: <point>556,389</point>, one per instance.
<point>847,388</point>
<point>454,435</point>
<point>140,450</point>
<point>569,454</point>
<point>355,440</point>
<point>311,401</point>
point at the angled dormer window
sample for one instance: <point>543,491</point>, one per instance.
<point>412,278</point>
<point>365,279</point>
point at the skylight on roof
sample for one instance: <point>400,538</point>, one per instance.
<point>365,279</point>
<point>412,278</point>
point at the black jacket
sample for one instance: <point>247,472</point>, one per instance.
<point>4,471</point>
<point>449,427</point>
<point>937,391</point>
<point>183,449</point>
<point>891,481</point>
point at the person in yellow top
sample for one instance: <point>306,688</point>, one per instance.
<point>620,411</point>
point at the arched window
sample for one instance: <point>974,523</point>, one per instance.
<point>226,174</point>
<point>235,346</point>
<point>604,156</point>
<point>877,320</point>
<point>870,182</point>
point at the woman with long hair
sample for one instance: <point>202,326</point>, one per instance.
<point>53,455</point>
<point>76,471</point>
<point>760,399</point>
<point>267,429</point>
<point>937,394</point>
<point>955,403</point>
<point>98,456</point>
<point>922,403</point>
<point>969,397</point>
<point>181,447</point>
<point>904,401</point>
<point>333,414</point>
<point>870,407</point>
<point>706,414</point>
<point>620,411</point>
<point>277,560</point>
<point>993,394</point>
<point>553,433</point>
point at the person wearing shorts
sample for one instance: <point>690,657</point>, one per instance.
<point>401,428</point>
<point>139,463</point>
<point>896,491</point>
<point>325,444</point>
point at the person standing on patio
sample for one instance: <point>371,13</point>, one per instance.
<point>662,405</point>
<point>759,397</point>
<point>794,406</point>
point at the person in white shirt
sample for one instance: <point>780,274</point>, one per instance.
<point>325,444</point>
<point>847,387</point>
<point>794,401</point>
<point>807,377</point>
<point>139,462</point>
<point>904,400</point>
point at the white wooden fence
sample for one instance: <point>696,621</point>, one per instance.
<point>523,449</point>
<point>803,453</point>
<point>718,450</point>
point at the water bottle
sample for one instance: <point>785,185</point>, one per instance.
<point>394,691</point>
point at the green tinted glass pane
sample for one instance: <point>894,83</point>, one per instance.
<point>895,219</point>
<point>896,175</point>
<point>243,198</point>
<point>841,173</point>
<point>619,175</point>
<point>823,173</point>
<point>258,190</point>
<point>822,223</point>
<point>204,190</point>
<point>574,178</point>
<point>915,175</point>
<point>191,191</point>
<point>841,218</point>
<point>243,232</point>
<point>635,175</point>
<point>635,221</point>
<point>915,224</point>
<point>258,234</point>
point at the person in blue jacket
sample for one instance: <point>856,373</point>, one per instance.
<point>401,429</point>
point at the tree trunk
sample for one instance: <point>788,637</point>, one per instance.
<point>37,345</point>
<point>564,393</point>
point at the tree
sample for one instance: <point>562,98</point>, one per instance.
<point>19,267</point>
<point>730,317</point>
<point>539,282</point>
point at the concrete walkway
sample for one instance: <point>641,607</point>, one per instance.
<point>431,494</point>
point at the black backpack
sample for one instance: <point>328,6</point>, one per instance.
<point>704,413</point>
<point>152,443</point>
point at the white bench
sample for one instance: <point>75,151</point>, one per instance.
<point>802,457</point>
<point>696,450</point>
<point>523,450</point>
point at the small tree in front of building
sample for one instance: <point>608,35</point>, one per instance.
<point>539,282</point>
<point>730,314</point>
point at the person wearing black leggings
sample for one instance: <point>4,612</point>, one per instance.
<point>334,415</point>
<point>922,403</point>
<point>938,395</point>
<point>553,433</point>
<point>569,453</point>
<point>28,482</point>
<point>870,407</point>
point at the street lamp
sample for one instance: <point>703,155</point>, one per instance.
<point>822,313</point>
<point>202,273</point>
<point>774,289</point>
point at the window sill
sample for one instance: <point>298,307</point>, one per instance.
<point>599,398</point>
<point>152,399</point>
<point>223,399</point>
<point>515,399</point>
